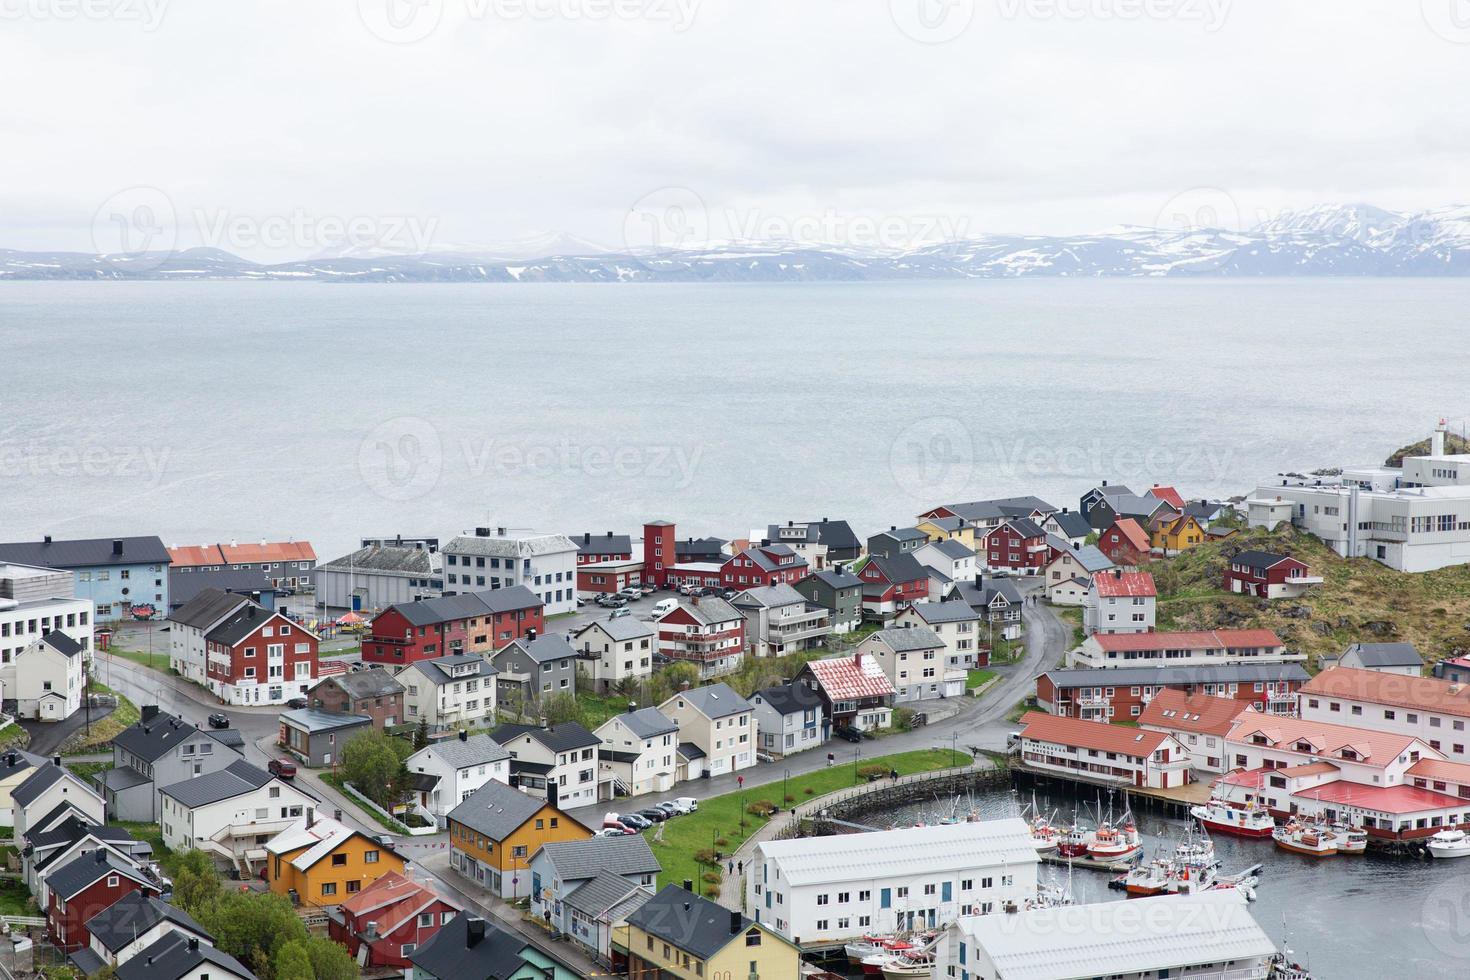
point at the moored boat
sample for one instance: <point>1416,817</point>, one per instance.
<point>1109,843</point>
<point>1350,840</point>
<point>908,966</point>
<point>1449,844</point>
<point>1308,839</point>
<point>1217,815</point>
<point>1073,843</point>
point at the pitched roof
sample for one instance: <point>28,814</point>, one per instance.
<point>621,629</point>
<point>1259,560</point>
<point>849,678</point>
<point>944,612</point>
<point>1399,690</point>
<point>175,956</point>
<point>626,855</point>
<point>1383,799</point>
<point>467,750</point>
<point>493,954</point>
<point>905,639</point>
<point>1168,495</point>
<point>61,643</point>
<point>371,682</point>
<point>387,558</point>
<point>544,649</point>
<point>562,737</point>
<point>1025,527</point>
<point>1121,585</point>
<point>1133,533</point>
<point>134,914</point>
<point>1090,734</point>
<point>770,596</point>
<point>1186,640</point>
<point>236,779</point>
<point>768,557</point>
<point>183,589</point>
<point>34,784</point>
<point>467,605</point>
<point>607,894</point>
<point>392,899</point>
<point>1073,524</point>
<point>604,544</point>
<point>692,924</point>
<point>245,620</point>
<point>903,534</point>
<point>78,874</point>
<point>916,851</point>
<point>437,671</point>
<point>1203,714</point>
<point>151,740</point>
<point>262,551</point>
<point>951,549</point>
<point>13,761</point>
<point>73,829</point>
<point>647,722</point>
<point>86,552</point>
<point>311,842</point>
<point>833,579</point>
<point>208,607</point>
<point>1131,505</point>
<point>1372,746</point>
<point>708,610</point>
<point>898,568</point>
<point>496,810</point>
<point>1089,556</point>
<point>512,545</point>
<point>713,700</point>
<point>1386,654</point>
<point>1177,676</point>
<point>789,698</point>
<point>999,509</point>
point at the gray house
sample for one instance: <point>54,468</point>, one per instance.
<point>535,668</point>
<point>897,541</point>
<point>789,718</point>
<point>158,751</point>
<point>379,576</point>
<point>317,737</point>
<point>838,591</point>
<point>1387,658</point>
<point>780,620</point>
<point>584,888</point>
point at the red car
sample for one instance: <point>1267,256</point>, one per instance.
<point>284,768</point>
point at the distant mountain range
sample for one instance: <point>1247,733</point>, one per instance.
<point>1332,240</point>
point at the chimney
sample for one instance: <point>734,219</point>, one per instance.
<point>735,923</point>
<point>500,532</point>
<point>56,759</point>
<point>117,547</point>
<point>609,534</point>
<point>371,932</point>
<point>48,539</point>
<point>101,856</point>
<point>1117,573</point>
<point>688,884</point>
<point>474,929</point>
<point>530,636</point>
<point>586,537</point>
<point>310,817</point>
<point>632,706</point>
<point>149,712</point>
<point>464,735</point>
<point>694,600</point>
<point>1436,441</point>
<point>551,794</point>
<point>1105,483</point>
<point>482,532</point>
<point>193,944</point>
<point>765,542</point>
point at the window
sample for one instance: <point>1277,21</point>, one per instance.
<point>339,860</point>
<point>329,887</point>
<point>370,857</point>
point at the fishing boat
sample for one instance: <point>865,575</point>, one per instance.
<point>1280,967</point>
<point>1109,843</point>
<point>1449,844</point>
<point>871,952</point>
<point>1073,843</point>
<point>1350,840</point>
<point>1217,815</point>
<point>1308,839</point>
<point>910,965</point>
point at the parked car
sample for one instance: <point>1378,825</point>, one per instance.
<point>218,720</point>
<point>653,813</point>
<point>647,589</point>
<point>385,839</point>
<point>664,606</point>
<point>612,601</point>
<point>635,821</point>
<point>296,703</point>
<point>685,804</point>
<point>668,807</point>
<point>847,734</point>
<point>687,589</point>
<point>632,593</point>
<point>617,830</point>
<point>619,613</point>
<point>284,768</point>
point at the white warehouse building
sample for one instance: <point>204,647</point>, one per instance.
<point>829,889</point>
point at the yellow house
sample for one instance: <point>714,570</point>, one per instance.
<point>16,767</point>
<point>1180,535</point>
<point>677,934</point>
<point>325,862</point>
<point>949,529</point>
<point>496,830</point>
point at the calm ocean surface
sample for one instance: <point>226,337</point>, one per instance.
<point>207,411</point>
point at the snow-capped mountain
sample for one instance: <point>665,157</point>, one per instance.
<point>1331,240</point>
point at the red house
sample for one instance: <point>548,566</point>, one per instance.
<point>606,563</point>
<point>1017,545</point>
<point>256,650</point>
<point>1268,576</point>
<point>892,584</point>
<point>1121,693</point>
<point>659,552</point>
<point>391,917</point>
<point>474,622</point>
<point>86,886</point>
<point>1168,495</point>
<point>768,564</point>
<point>709,632</point>
<point>1125,543</point>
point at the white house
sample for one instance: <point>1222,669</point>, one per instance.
<point>717,722</point>
<point>1208,934</point>
<point>558,763</point>
<point>639,751</point>
<point>789,718</point>
<point>35,601</point>
<point>1120,602</point>
<point>1068,576</point>
<point>957,625</point>
<point>46,678</point>
<point>457,691</point>
<point>1386,658</point>
<point>584,888</point>
<point>133,923</point>
<point>914,659</point>
<point>229,813</point>
<point>1435,711</point>
<point>1068,525</point>
<point>446,772</point>
<point>1199,722</point>
<point>951,560</point>
<point>1103,753</point>
<point>544,563</point>
<point>1184,649</point>
<point>35,802</point>
<point>610,651</point>
<point>828,889</point>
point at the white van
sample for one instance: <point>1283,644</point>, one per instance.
<point>664,606</point>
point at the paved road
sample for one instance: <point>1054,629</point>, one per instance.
<point>47,737</point>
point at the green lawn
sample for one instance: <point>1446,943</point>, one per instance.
<point>335,779</point>
<point>977,677</point>
<point>14,736</point>
<point>719,818</point>
<point>145,831</point>
<point>86,770</point>
<point>102,732</point>
<point>15,898</point>
<point>158,660</point>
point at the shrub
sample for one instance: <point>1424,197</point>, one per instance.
<point>710,877</point>
<point>790,798</point>
<point>713,891</point>
<point>705,856</point>
<point>722,842</point>
<point>869,772</point>
<point>808,791</point>
<point>760,808</point>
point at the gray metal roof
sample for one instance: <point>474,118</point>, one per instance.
<point>544,649</point>
<point>134,914</point>
<point>1385,654</point>
<point>34,784</point>
<point>899,568</point>
<point>151,740</point>
<point>1073,524</point>
<point>467,605</point>
<point>436,671</point>
<point>450,954</point>
<point>86,552</point>
<point>311,720</point>
<point>496,810</point>
<point>76,875</point>
<point>951,549</point>
<point>184,588</point>
<point>834,579</point>
<point>236,779</point>
<point>770,596</point>
<point>604,892</point>
<point>647,722</point>
<point>622,628</point>
<point>712,609</point>
<point>174,956</point>
<point>692,924</point>
<point>208,607</point>
<point>373,682</point>
<point>514,545</point>
<point>626,855</point>
<point>472,750</point>
<point>910,638</point>
<point>1090,558</point>
<point>1000,508</point>
<point>382,558</point>
<point>604,544</point>
<point>714,700</point>
<point>944,612</point>
<point>557,738</point>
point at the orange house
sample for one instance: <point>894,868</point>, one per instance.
<point>325,862</point>
<point>1179,535</point>
<point>496,830</point>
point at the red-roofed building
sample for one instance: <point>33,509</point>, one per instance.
<point>1125,543</point>
<point>855,691</point>
<point>1200,723</point>
<point>1168,495</point>
<point>391,917</point>
<point>1186,649</point>
<point>1098,752</point>
<point>1120,602</point>
<point>1268,576</point>
<point>1434,710</point>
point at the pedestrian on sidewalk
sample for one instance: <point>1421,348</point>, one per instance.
<point>741,866</point>
<point>730,868</point>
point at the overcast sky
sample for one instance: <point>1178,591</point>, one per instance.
<point>267,126</point>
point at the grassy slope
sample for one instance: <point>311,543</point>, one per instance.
<point>1430,610</point>
<point>104,731</point>
<point>718,818</point>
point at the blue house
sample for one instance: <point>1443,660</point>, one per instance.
<point>126,577</point>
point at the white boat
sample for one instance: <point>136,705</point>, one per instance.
<point>1217,815</point>
<point>1350,840</point>
<point>1449,844</point>
<point>1309,839</point>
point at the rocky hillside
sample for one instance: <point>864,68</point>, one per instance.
<point>1360,600</point>
<point>1452,444</point>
